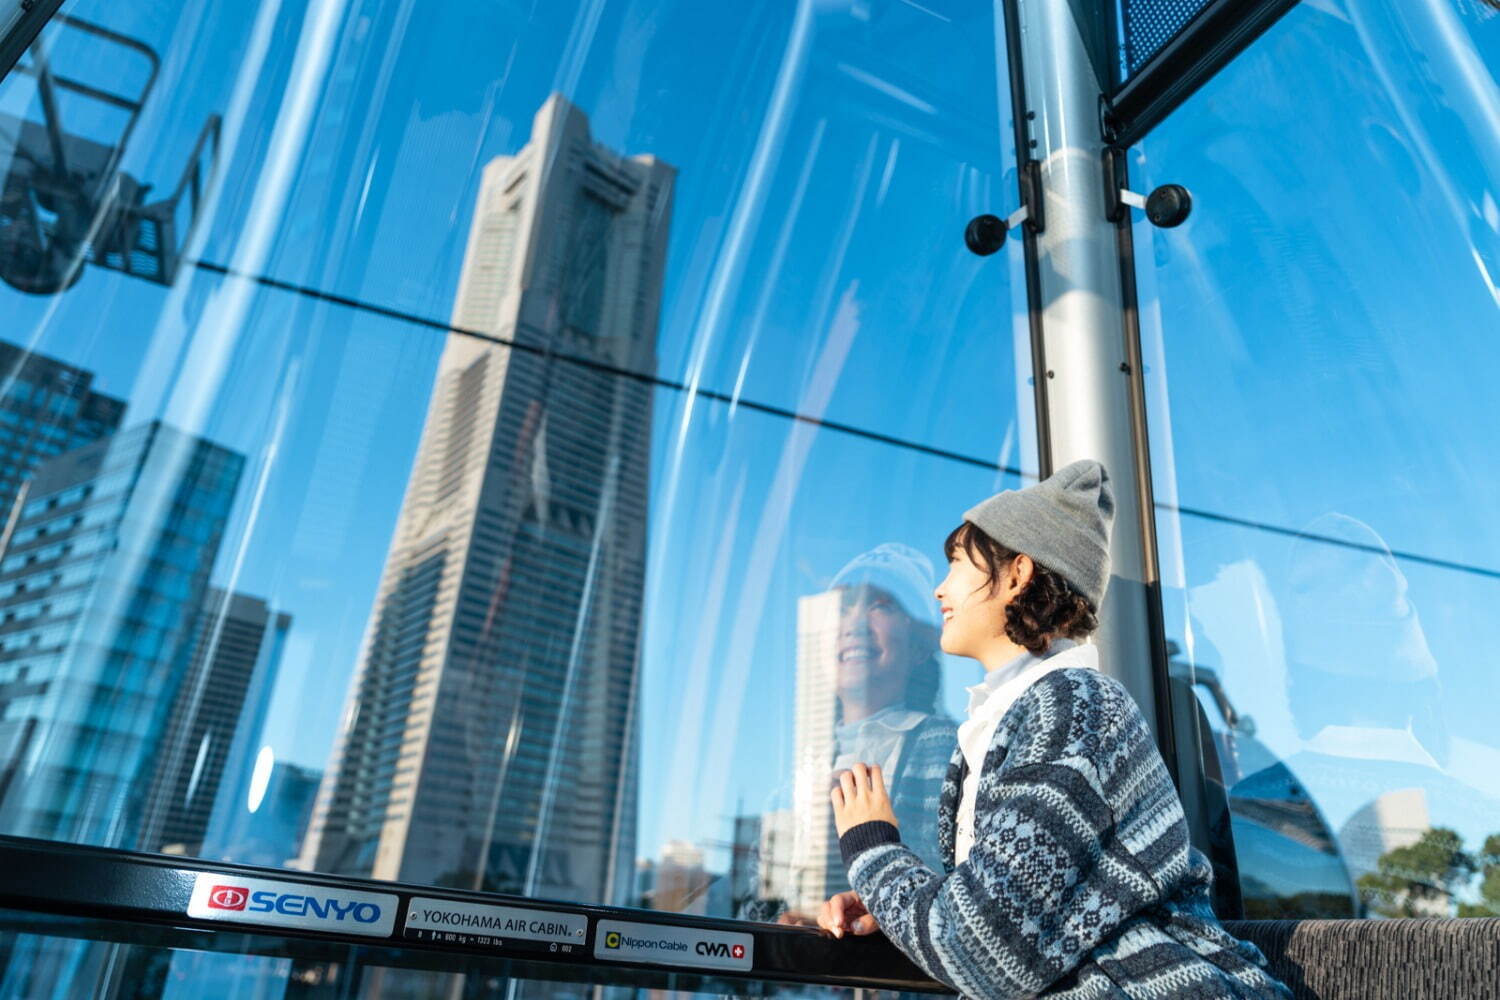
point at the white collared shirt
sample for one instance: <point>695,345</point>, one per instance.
<point>988,702</point>
<point>874,740</point>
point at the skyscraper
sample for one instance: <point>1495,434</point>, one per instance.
<point>233,635</point>
<point>488,740</point>
<point>816,870</point>
<point>103,571</point>
<point>46,408</point>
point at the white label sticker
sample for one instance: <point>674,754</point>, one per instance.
<point>451,917</point>
<point>624,941</point>
<point>292,904</point>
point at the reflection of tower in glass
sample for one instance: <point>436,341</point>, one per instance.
<point>487,737</point>
<point>46,408</point>
<point>816,869</point>
<point>101,578</point>
<point>236,650</point>
<point>1393,819</point>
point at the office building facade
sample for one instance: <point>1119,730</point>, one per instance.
<point>47,407</point>
<point>233,636</point>
<point>488,736</point>
<point>102,577</point>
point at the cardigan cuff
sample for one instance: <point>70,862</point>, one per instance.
<point>859,839</point>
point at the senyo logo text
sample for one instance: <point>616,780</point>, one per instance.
<point>293,904</point>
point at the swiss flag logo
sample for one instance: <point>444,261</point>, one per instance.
<point>227,897</point>
<point>738,951</point>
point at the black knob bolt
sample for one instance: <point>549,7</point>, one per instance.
<point>1169,206</point>
<point>985,234</point>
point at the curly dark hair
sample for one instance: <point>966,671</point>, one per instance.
<point>1049,607</point>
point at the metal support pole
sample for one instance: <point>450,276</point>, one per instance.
<point>1089,362</point>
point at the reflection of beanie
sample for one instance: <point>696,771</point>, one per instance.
<point>1062,523</point>
<point>900,571</point>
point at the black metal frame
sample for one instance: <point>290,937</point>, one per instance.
<point>25,30</point>
<point>104,885</point>
<point>1204,46</point>
<point>1029,184</point>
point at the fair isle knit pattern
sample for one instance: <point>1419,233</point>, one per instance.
<point>1081,883</point>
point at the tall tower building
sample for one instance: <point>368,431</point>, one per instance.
<point>816,870</point>
<point>46,408</point>
<point>103,573</point>
<point>487,740</point>
<point>233,637</point>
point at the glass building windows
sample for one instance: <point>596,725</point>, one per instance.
<point>1320,339</point>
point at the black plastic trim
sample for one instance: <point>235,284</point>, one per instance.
<point>1180,751</point>
<point>24,32</point>
<point>1206,45</point>
<point>101,883</point>
<point>1028,176</point>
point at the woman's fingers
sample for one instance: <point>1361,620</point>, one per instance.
<point>836,915</point>
<point>861,775</point>
<point>849,785</point>
<point>825,915</point>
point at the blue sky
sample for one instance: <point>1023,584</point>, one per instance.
<point>1321,333</point>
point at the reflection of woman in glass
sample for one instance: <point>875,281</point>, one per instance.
<point>881,668</point>
<point>1364,692</point>
<point>886,681</point>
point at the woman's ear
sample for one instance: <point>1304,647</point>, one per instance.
<point>1020,573</point>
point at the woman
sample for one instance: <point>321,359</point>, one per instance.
<point>1066,867</point>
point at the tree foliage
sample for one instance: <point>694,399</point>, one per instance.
<point>1424,879</point>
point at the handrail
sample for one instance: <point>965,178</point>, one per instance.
<point>45,876</point>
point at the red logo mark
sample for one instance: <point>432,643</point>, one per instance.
<point>227,897</point>
<point>739,951</point>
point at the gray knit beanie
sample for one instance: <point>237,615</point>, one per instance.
<point>1062,523</point>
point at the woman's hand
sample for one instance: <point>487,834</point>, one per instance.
<point>845,912</point>
<point>860,797</point>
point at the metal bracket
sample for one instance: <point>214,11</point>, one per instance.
<point>1166,207</point>
<point>1032,198</point>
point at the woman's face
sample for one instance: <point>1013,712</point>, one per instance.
<point>973,612</point>
<point>878,646</point>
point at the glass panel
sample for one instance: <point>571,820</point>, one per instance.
<point>490,447</point>
<point>1321,343</point>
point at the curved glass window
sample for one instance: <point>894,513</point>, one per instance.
<point>495,446</point>
<point>1321,344</point>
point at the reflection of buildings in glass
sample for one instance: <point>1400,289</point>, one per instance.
<point>46,408</point>
<point>233,636</point>
<point>775,879</point>
<point>491,710</point>
<point>263,822</point>
<point>817,869</point>
<point>101,578</point>
<point>678,882</point>
<point>1394,819</point>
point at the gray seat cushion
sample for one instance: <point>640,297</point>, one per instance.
<point>1381,959</point>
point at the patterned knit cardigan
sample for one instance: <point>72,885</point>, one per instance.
<point>1081,882</point>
